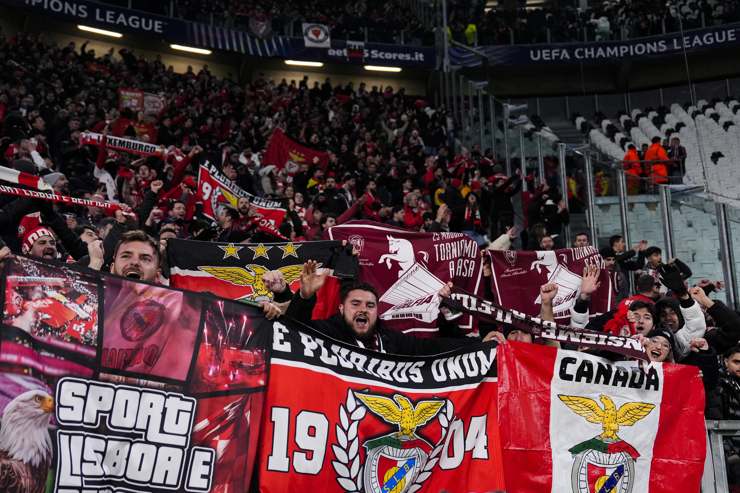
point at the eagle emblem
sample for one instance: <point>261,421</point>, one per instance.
<point>25,444</point>
<point>610,418</point>
<point>251,275</point>
<point>393,461</point>
<point>401,412</point>
<point>605,463</point>
<point>296,156</point>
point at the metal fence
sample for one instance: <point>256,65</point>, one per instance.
<point>716,479</point>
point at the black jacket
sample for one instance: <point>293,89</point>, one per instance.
<point>726,398</point>
<point>727,331</point>
<point>390,341</point>
<point>626,262</point>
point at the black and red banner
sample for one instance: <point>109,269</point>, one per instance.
<point>215,191</point>
<point>234,271</point>
<point>107,384</point>
<point>375,422</point>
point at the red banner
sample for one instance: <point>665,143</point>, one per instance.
<point>215,190</point>
<point>573,422</point>
<point>137,100</point>
<point>284,152</point>
<point>377,423</point>
<point>518,275</point>
<point>408,268</point>
<point>53,197</point>
<point>22,178</point>
<point>132,99</point>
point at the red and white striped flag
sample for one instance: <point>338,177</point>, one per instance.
<point>22,178</point>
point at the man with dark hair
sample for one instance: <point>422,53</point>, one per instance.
<point>620,321</point>
<point>178,211</point>
<point>228,219</point>
<point>581,240</point>
<point>136,256</point>
<point>547,243</point>
<point>397,217</point>
<point>357,322</point>
<point>654,261</point>
<point>87,233</point>
<point>625,261</point>
<point>724,403</point>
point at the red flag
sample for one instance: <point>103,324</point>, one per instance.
<point>215,190</point>
<point>333,426</point>
<point>283,151</point>
<point>518,275</point>
<point>571,421</point>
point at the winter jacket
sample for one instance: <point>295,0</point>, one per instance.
<point>727,331</point>
<point>625,263</point>
<point>692,323</point>
<point>727,394</point>
<point>389,341</point>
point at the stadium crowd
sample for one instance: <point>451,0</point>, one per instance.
<point>468,21</point>
<point>380,22</point>
<point>610,20</point>
<point>390,160</point>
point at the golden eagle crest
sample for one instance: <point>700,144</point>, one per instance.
<point>402,412</point>
<point>610,418</point>
<point>251,275</point>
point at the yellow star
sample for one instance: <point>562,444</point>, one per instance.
<point>290,249</point>
<point>230,250</point>
<point>260,251</point>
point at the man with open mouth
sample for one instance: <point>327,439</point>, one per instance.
<point>40,242</point>
<point>357,321</point>
<point>136,257</point>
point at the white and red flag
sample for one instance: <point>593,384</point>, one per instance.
<point>573,422</point>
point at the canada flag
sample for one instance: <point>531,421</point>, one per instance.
<point>571,421</point>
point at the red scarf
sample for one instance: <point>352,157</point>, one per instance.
<point>474,215</point>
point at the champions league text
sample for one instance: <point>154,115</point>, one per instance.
<point>150,452</point>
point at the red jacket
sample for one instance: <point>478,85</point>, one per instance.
<point>412,219</point>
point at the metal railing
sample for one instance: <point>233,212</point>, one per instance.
<point>715,479</point>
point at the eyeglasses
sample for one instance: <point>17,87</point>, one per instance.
<point>661,342</point>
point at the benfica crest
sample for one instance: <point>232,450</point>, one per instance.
<point>398,462</point>
<point>605,463</point>
<point>251,276</point>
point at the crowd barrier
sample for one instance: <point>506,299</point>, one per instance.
<point>715,469</point>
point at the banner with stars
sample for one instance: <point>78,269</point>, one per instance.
<point>235,270</point>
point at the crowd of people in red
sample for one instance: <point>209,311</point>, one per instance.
<point>391,160</point>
